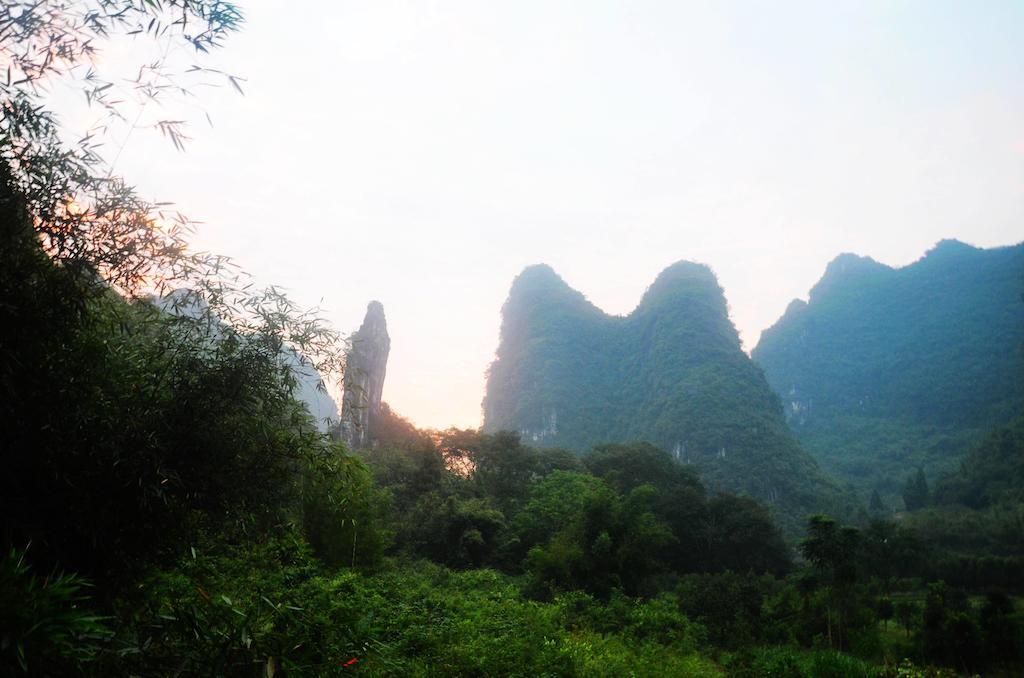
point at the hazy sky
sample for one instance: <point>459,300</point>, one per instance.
<point>423,153</point>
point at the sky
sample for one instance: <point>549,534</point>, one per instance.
<point>423,153</point>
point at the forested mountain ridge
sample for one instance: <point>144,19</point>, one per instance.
<point>671,373</point>
<point>885,370</point>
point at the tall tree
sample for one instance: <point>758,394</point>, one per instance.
<point>915,491</point>
<point>876,507</point>
<point>834,553</point>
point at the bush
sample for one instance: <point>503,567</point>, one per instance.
<point>788,662</point>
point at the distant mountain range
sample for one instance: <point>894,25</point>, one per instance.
<point>887,369</point>
<point>671,373</point>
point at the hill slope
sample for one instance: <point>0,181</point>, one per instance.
<point>671,373</point>
<point>884,370</point>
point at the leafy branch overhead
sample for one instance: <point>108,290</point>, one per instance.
<point>91,220</point>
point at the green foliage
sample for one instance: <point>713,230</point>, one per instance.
<point>626,466</point>
<point>110,232</point>
<point>130,432</point>
<point>884,610</point>
<point>46,624</point>
<point>993,472</point>
<point>729,605</point>
<point>835,554</point>
<point>907,669</point>
<point>270,605</point>
<point>132,420</point>
<point>120,419</point>
<point>461,532</point>
<point>610,541</point>
<point>915,491</point>
<point>390,430</point>
<point>890,551</point>
<point>642,516</point>
<point>671,373</point>
<point>741,536</point>
<point>502,466</point>
<point>344,514</point>
<point>831,549</point>
<point>157,447</point>
<point>1002,628</point>
<point>554,503</point>
<point>885,370</point>
<point>908,613</point>
<point>786,662</point>
<point>215,518</point>
<point>948,632</point>
<point>875,505</point>
<point>233,609</point>
<point>975,522</point>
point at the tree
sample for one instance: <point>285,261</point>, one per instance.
<point>907,613</point>
<point>88,219</point>
<point>1001,628</point>
<point>915,491</point>
<point>742,537</point>
<point>455,531</point>
<point>85,216</point>
<point>130,415</point>
<point>889,551</point>
<point>948,633</point>
<point>885,610</point>
<point>503,468</point>
<point>876,507</point>
<point>342,512</point>
<point>567,528</point>
<point>553,504</point>
<point>625,466</point>
<point>834,553</point>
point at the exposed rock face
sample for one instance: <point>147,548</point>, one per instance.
<point>364,376</point>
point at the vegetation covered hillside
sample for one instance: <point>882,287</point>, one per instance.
<point>887,370</point>
<point>672,373</point>
<point>974,517</point>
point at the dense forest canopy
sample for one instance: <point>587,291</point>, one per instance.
<point>671,373</point>
<point>887,370</point>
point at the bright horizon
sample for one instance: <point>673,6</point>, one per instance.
<point>424,154</point>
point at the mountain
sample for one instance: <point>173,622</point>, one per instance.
<point>365,368</point>
<point>671,373</point>
<point>884,370</point>
<point>311,392</point>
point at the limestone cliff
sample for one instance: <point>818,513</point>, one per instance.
<point>364,376</point>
